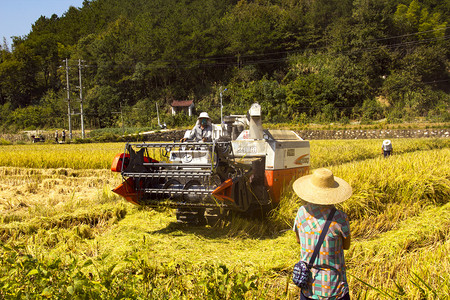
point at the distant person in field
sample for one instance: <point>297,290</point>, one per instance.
<point>56,136</point>
<point>387,148</point>
<point>322,191</point>
<point>63,136</point>
<point>202,131</point>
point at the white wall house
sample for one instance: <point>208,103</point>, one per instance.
<point>183,106</point>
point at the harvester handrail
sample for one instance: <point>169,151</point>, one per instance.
<point>163,164</point>
<point>179,191</point>
<point>175,144</point>
<point>168,172</point>
<point>189,205</point>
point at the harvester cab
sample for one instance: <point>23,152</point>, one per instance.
<point>244,168</point>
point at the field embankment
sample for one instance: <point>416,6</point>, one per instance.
<point>340,134</point>
<point>346,133</point>
<point>63,234</point>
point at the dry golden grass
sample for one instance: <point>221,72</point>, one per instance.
<point>420,245</point>
<point>400,223</point>
<point>387,191</point>
<point>399,220</point>
<point>26,193</point>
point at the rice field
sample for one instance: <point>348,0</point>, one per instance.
<point>64,234</point>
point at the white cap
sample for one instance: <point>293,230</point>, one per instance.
<point>204,115</point>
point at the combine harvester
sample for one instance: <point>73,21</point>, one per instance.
<point>243,170</point>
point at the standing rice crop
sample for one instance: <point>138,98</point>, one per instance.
<point>63,235</point>
<point>400,223</point>
<point>325,153</point>
<point>74,156</point>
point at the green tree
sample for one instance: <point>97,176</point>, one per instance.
<point>18,76</point>
<point>416,18</point>
<point>253,27</point>
<point>101,102</point>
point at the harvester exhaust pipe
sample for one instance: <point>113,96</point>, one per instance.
<point>256,129</point>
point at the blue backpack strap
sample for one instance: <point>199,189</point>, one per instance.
<point>322,237</point>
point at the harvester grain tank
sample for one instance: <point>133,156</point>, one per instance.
<point>241,170</point>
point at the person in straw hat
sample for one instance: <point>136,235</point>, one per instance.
<point>202,131</point>
<point>322,190</point>
<point>386,147</point>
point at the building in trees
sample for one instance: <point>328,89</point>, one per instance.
<point>183,106</point>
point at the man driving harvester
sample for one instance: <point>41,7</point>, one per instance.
<point>202,131</point>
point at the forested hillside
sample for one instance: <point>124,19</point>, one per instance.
<point>302,60</point>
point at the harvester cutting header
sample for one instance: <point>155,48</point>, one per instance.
<point>240,169</point>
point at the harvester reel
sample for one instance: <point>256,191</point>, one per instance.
<point>190,215</point>
<point>170,184</point>
<point>192,184</point>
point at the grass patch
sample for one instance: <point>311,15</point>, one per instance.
<point>66,236</point>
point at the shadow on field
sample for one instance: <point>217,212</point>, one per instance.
<point>175,229</point>
<point>237,227</point>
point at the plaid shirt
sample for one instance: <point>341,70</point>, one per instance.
<point>328,272</point>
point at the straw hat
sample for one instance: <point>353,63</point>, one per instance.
<point>386,142</point>
<point>204,115</point>
<point>322,188</point>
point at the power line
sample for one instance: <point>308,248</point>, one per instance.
<point>299,50</point>
<point>178,64</point>
<point>408,34</point>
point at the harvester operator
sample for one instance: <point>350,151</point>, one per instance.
<point>202,131</point>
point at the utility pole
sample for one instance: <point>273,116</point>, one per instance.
<point>81,100</point>
<point>157,113</point>
<point>221,106</point>
<point>69,113</point>
<point>121,118</point>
